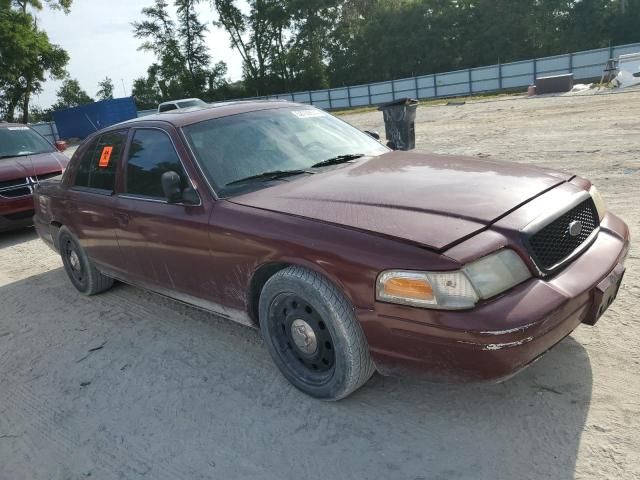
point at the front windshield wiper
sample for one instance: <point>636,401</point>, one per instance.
<point>270,175</point>
<point>337,160</point>
<point>20,155</point>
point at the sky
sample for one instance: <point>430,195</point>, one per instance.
<point>98,36</point>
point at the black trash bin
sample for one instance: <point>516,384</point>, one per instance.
<point>400,123</point>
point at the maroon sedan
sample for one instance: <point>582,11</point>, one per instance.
<point>25,159</point>
<point>349,257</point>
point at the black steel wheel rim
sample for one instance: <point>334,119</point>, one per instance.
<point>74,263</point>
<point>302,339</point>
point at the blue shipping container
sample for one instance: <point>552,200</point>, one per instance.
<point>79,122</point>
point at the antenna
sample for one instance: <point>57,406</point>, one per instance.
<point>92,124</point>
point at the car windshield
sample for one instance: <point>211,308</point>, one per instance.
<point>20,141</point>
<point>250,144</point>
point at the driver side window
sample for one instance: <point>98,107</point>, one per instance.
<point>151,154</point>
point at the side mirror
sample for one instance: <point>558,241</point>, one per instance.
<point>61,145</point>
<point>171,186</point>
<point>373,133</point>
<point>172,189</point>
<point>190,196</point>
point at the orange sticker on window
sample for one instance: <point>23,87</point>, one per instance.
<point>105,157</point>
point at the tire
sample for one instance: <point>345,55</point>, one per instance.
<point>83,274</point>
<point>313,335</point>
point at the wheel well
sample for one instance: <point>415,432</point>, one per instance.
<point>260,277</point>
<point>55,229</point>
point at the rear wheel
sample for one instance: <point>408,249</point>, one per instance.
<point>313,335</point>
<point>83,274</point>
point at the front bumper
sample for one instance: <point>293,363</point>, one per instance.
<point>505,334</point>
<point>16,213</point>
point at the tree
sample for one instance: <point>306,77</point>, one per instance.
<point>27,56</point>
<point>625,22</point>
<point>398,38</point>
<point>38,114</point>
<point>183,63</point>
<point>70,94</point>
<point>259,39</point>
<point>146,90</point>
<point>26,59</point>
<point>191,34</point>
<point>105,89</point>
<point>311,27</point>
<point>292,45</point>
<point>158,31</point>
<point>64,5</point>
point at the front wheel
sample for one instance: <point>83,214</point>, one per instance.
<point>313,335</point>
<point>81,271</point>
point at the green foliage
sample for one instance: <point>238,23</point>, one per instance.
<point>191,33</point>
<point>289,45</point>
<point>70,94</point>
<point>403,38</point>
<point>283,43</point>
<point>147,91</point>
<point>39,114</point>
<point>105,89</point>
<point>183,64</point>
<point>23,5</point>
<point>26,58</point>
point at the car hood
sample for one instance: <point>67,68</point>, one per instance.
<point>431,200</point>
<point>13,168</point>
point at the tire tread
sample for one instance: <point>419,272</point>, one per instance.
<point>98,282</point>
<point>360,366</point>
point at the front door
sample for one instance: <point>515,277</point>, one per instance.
<point>167,244</point>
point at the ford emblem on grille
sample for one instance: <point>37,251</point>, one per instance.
<point>575,228</point>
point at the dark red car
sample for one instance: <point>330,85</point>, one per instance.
<point>25,158</point>
<point>349,257</point>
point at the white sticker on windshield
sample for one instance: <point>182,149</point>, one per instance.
<point>17,128</point>
<point>308,113</point>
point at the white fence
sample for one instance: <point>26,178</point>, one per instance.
<point>584,65</point>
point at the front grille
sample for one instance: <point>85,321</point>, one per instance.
<point>553,243</point>
<point>13,183</point>
<point>18,216</point>
<point>15,192</point>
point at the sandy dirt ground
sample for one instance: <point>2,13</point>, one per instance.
<point>129,385</point>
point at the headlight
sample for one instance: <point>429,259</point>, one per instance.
<point>601,207</point>
<point>497,272</point>
<point>455,290</point>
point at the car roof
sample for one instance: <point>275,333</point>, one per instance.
<point>189,116</point>
<point>169,102</point>
<point>6,125</point>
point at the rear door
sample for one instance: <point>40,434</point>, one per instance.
<point>167,244</point>
<point>90,199</point>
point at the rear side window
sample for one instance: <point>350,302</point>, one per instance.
<point>151,154</point>
<point>97,166</point>
<point>168,107</point>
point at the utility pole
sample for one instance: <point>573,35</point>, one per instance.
<point>123,89</point>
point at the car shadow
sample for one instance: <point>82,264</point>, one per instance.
<point>527,427</point>
<point>137,382</point>
<point>14,237</point>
